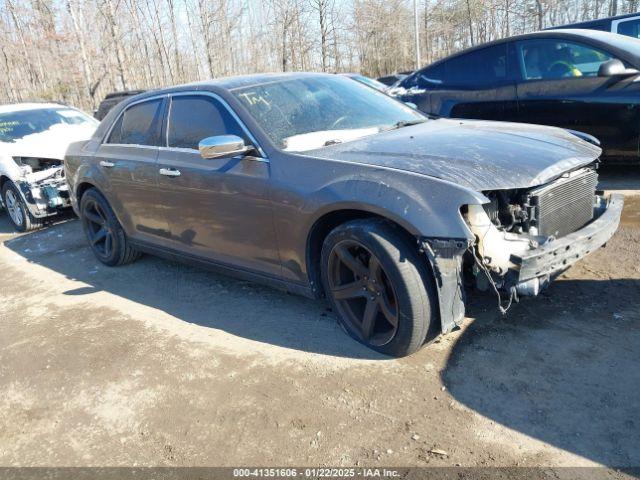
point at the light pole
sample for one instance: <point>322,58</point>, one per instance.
<point>417,32</point>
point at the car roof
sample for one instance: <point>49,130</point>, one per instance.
<point>241,81</point>
<point>20,107</point>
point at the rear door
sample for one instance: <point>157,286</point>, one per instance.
<point>478,84</point>
<point>218,209</point>
<point>128,160</point>
<point>559,85</point>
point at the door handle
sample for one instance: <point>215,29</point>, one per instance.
<point>169,172</point>
<point>105,164</point>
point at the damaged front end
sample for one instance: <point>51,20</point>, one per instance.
<point>522,239</point>
<point>42,184</point>
<point>526,237</point>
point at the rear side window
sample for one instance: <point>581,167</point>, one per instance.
<point>195,117</point>
<point>481,68</point>
<point>140,124</point>
<point>431,76</point>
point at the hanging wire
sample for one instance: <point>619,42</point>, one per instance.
<point>483,268</point>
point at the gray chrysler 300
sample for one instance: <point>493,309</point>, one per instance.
<point>322,186</point>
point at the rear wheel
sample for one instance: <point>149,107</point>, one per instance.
<point>105,234</point>
<point>18,212</point>
<point>379,285</point>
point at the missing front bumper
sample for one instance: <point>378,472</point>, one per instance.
<point>45,199</point>
<point>535,267</point>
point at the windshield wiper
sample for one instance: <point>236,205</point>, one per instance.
<point>403,123</point>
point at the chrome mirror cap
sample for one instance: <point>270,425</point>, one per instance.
<point>222,146</point>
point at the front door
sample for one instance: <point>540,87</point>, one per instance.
<point>219,208</point>
<point>560,86</point>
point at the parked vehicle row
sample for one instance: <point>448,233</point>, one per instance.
<point>323,186</point>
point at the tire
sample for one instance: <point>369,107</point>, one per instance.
<point>104,233</point>
<point>398,282</point>
<point>17,211</point>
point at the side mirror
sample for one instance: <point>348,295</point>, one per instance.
<point>222,146</point>
<point>412,105</point>
<point>615,68</point>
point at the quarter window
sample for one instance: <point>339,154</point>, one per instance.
<point>555,59</point>
<point>195,117</point>
<point>140,124</point>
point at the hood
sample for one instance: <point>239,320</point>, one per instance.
<point>480,155</point>
<point>51,143</point>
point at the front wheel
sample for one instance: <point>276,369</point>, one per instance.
<point>18,212</point>
<point>379,286</point>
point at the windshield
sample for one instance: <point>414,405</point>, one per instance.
<point>311,112</point>
<point>17,125</point>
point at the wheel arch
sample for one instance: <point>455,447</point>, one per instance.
<point>82,188</point>
<point>329,221</point>
<point>3,180</point>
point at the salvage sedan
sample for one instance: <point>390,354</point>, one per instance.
<point>33,140</point>
<point>321,186</point>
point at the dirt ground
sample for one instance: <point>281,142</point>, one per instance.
<point>163,364</point>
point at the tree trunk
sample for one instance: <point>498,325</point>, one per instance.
<point>540,14</point>
<point>86,66</point>
<point>117,42</point>
<point>470,22</point>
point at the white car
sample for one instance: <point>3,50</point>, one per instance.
<point>33,140</point>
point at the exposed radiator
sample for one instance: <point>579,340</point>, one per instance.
<point>564,205</point>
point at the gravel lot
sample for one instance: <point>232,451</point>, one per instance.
<point>163,364</point>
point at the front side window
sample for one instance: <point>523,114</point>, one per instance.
<point>557,59</point>
<point>195,117</point>
<point>310,112</point>
<point>140,124</point>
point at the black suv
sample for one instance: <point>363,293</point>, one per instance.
<point>111,100</point>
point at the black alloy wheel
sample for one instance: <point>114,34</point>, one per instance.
<point>99,233</point>
<point>106,236</point>
<point>363,293</point>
